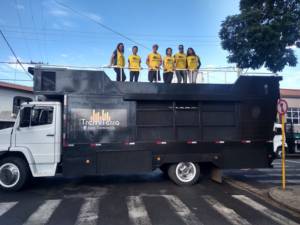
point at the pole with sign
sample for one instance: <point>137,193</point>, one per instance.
<point>282,108</point>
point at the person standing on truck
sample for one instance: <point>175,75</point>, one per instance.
<point>193,65</point>
<point>154,62</point>
<point>134,64</point>
<point>181,65</point>
<point>168,66</point>
<point>117,61</point>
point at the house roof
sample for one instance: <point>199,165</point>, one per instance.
<point>292,93</point>
<point>15,87</point>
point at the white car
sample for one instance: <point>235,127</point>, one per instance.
<point>277,140</point>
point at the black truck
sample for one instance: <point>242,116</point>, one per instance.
<point>107,127</point>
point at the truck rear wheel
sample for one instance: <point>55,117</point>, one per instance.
<point>184,173</point>
<point>14,173</point>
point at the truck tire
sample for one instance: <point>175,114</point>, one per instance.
<point>184,173</point>
<point>14,174</point>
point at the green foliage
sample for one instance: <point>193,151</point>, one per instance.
<point>262,34</point>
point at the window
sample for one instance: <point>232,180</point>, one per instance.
<point>25,117</point>
<point>36,116</point>
<point>293,115</point>
<point>41,116</point>
<point>48,81</point>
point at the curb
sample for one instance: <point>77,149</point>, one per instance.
<point>274,198</point>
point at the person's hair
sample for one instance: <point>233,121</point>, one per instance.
<point>168,49</point>
<point>118,45</point>
<point>193,52</point>
<point>135,47</point>
<point>180,46</point>
<point>155,46</point>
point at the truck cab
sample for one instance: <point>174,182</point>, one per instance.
<point>32,147</point>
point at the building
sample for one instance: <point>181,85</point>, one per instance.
<point>12,95</point>
<point>292,96</point>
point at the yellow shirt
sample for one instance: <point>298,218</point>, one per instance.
<point>154,61</point>
<point>180,60</point>
<point>192,62</point>
<point>134,62</point>
<point>168,64</point>
<point>120,59</point>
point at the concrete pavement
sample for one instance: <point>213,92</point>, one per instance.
<point>290,197</point>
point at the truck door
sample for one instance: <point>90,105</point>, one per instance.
<point>36,132</point>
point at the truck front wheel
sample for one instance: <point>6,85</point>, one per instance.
<point>184,173</point>
<point>14,173</point>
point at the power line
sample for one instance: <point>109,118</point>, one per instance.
<point>15,55</point>
<point>101,24</point>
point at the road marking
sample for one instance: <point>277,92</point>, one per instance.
<point>297,181</point>
<point>269,175</point>
<point>43,213</point>
<point>5,206</point>
<point>137,211</point>
<point>264,210</point>
<point>182,210</point>
<point>279,166</point>
<point>228,213</point>
<point>292,161</point>
<point>88,214</point>
<point>277,169</point>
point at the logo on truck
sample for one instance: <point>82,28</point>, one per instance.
<point>104,119</point>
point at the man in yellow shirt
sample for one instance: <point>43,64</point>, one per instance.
<point>154,62</point>
<point>168,66</point>
<point>180,65</point>
<point>117,61</point>
<point>134,64</point>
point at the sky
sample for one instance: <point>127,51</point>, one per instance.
<point>44,31</point>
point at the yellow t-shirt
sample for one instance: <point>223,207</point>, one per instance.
<point>180,60</point>
<point>168,64</point>
<point>134,62</point>
<point>154,60</point>
<point>120,59</point>
<point>192,62</point>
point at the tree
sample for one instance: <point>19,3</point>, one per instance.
<point>263,34</point>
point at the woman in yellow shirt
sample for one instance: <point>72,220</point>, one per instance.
<point>154,62</point>
<point>134,64</point>
<point>117,60</point>
<point>193,64</point>
<point>168,66</point>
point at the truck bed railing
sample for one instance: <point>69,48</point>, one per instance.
<point>209,75</point>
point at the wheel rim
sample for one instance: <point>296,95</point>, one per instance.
<point>186,171</point>
<point>9,175</point>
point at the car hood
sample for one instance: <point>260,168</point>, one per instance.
<point>5,136</point>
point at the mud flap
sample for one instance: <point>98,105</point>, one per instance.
<point>216,174</point>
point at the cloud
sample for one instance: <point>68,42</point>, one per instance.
<point>94,16</point>
<point>64,55</point>
<point>20,6</point>
<point>59,12</point>
<point>68,24</point>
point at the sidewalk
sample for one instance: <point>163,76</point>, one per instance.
<point>289,198</point>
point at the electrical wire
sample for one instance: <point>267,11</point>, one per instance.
<point>15,55</point>
<point>100,24</point>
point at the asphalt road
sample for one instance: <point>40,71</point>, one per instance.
<point>267,178</point>
<point>138,200</point>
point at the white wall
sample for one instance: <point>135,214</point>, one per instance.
<point>6,102</point>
